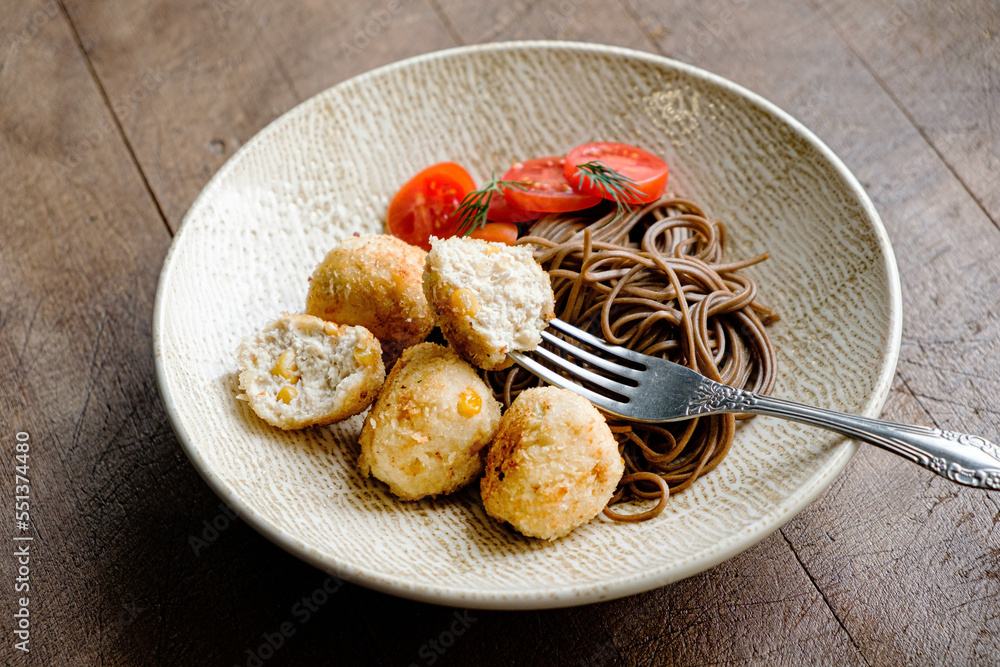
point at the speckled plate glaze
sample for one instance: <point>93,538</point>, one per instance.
<point>328,168</point>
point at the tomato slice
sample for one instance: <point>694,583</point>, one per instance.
<point>500,232</point>
<point>424,205</point>
<point>547,189</point>
<point>648,171</point>
<point>501,211</point>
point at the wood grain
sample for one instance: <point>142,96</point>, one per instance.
<point>941,63</point>
<point>577,20</point>
<point>218,72</point>
<point>890,566</point>
<point>81,243</point>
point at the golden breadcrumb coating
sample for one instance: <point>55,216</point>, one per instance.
<point>374,281</point>
<point>426,434</point>
<point>553,465</point>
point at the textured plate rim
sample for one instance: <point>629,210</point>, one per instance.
<point>556,596</point>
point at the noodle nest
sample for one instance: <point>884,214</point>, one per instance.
<point>655,280</point>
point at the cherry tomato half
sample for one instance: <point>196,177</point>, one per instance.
<point>547,189</point>
<point>501,211</point>
<point>424,205</point>
<point>648,171</point>
<point>500,232</point>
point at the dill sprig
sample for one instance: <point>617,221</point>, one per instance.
<point>471,212</point>
<point>613,184</point>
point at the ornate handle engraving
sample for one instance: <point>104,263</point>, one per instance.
<point>963,458</point>
<point>955,471</point>
<point>711,397</point>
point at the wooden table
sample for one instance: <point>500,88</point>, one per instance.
<point>114,115</point>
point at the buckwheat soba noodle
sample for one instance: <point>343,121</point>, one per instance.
<point>656,280</point>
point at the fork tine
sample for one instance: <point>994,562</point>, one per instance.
<point>581,335</point>
<point>593,359</point>
<point>554,378</point>
<point>570,367</point>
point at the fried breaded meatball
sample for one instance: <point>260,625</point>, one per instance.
<point>488,298</point>
<point>301,371</point>
<point>553,465</point>
<point>427,432</point>
<point>374,281</point>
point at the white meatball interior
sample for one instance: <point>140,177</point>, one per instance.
<point>301,371</point>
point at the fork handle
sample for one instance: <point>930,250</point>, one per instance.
<point>963,458</point>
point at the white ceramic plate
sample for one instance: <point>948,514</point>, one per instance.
<point>329,167</point>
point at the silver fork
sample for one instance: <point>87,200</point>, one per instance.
<point>650,389</point>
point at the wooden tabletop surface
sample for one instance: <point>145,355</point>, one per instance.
<point>114,115</point>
